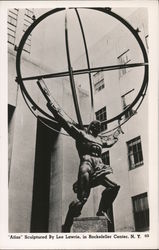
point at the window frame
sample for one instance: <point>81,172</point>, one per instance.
<point>124,59</point>
<point>141,211</point>
<point>125,105</point>
<point>28,19</point>
<point>134,155</point>
<point>98,81</point>
<point>101,115</point>
<point>12,25</point>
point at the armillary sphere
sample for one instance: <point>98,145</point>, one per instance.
<point>120,118</point>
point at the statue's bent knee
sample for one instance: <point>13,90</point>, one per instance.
<point>84,168</point>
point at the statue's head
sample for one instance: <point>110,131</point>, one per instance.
<point>94,128</point>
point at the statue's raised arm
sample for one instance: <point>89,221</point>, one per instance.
<point>69,128</point>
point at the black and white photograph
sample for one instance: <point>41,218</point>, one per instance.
<point>80,136</point>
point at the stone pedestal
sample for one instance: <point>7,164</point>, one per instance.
<point>90,224</point>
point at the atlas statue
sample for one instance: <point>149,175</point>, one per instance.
<point>92,171</point>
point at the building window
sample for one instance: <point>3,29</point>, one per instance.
<point>29,13</point>
<point>106,158</point>
<point>125,104</point>
<point>101,115</point>
<point>146,41</point>
<point>135,155</point>
<point>98,79</point>
<point>12,25</point>
<point>124,58</point>
<point>141,212</point>
<point>28,19</point>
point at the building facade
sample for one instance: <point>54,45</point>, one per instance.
<point>113,92</point>
<point>43,164</point>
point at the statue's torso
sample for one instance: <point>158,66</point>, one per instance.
<point>89,145</point>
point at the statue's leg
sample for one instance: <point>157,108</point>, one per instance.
<point>84,181</point>
<point>108,196</point>
<point>82,194</point>
<point>74,211</point>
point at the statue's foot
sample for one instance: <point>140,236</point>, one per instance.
<point>102,213</point>
<point>66,228</point>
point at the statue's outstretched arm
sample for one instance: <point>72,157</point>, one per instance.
<point>69,128</point>
<point>108,143</point>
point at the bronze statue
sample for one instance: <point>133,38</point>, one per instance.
<point>92,170</point>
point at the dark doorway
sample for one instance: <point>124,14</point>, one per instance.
<point>41,186</point>
<point>11,110</point>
